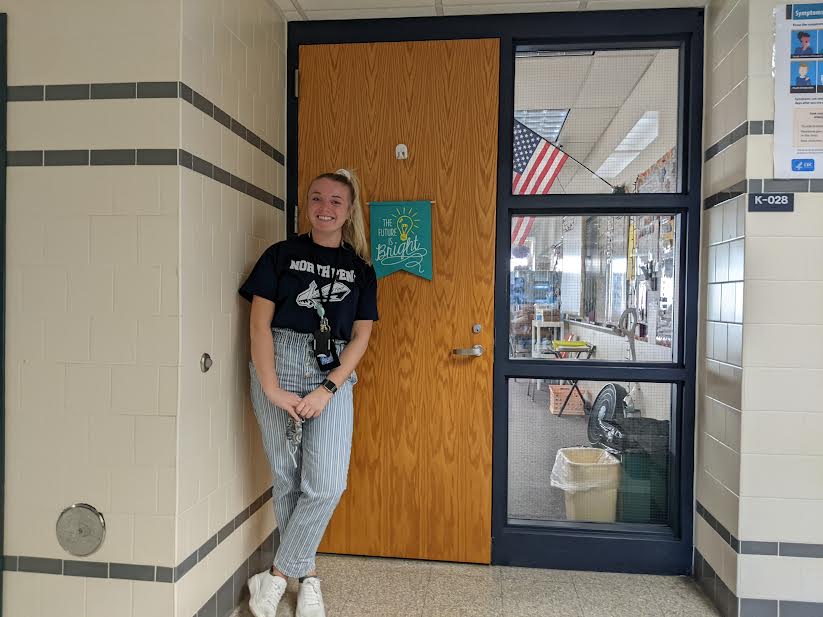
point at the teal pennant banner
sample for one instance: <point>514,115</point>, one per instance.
<point>401,237</point>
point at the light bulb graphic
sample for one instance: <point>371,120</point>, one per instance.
<point>404,224</point>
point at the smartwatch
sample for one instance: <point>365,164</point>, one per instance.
<point>329,385</point>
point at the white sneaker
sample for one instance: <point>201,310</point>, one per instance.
<point>266,591</point>
<point>309,599</point>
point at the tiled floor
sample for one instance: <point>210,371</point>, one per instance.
<point>365,587</point>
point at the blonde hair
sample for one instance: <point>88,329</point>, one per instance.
<point>354,229</point>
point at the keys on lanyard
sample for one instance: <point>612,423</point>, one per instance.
<point>324,350</point>
<point>321,312</point>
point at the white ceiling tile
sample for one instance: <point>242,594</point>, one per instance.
<point>349,5</point>
<point>546,3</point>
<point>285,5</point>
<point>549,82</point>
<point>585,182</point>
<point>372,13</point>
<point>292,16</point>
<point>625,53</point>
<point>579,150</point>
<point>586,125</point>
<point>608,5</point>
<point>516,7</point>
<point>611,79</point>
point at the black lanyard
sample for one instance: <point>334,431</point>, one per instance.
<point>325,303</point>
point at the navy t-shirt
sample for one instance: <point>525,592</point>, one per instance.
<point>295,274</point>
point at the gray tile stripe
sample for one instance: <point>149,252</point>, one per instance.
<point>751,127</point>
<point>186,93</point>
<point>157,157</point>
<point>226,531</point>
<point>730,604</point>
<point>157,90</point>
<point>127,571</point>
<point>747,547</point>
<point>65,157</point>
<point>92,569</point>
<point>113,157</point>
<point>40,564</point>
<point>758,608</point>
<point>131,572</point>
<point>790,608</point>
<point>786,186</point>
<point>725,195</point>
<point>125,156</point>
<point>726,141</point>
<point>114,91</point>
<point>792,549</point>
<point>143,90</point>
<point>68,92</point>
<point>168,156</point>
<point>164,575</point>
<point>758,548</point>
<point>207,547</point>
<point>724,533</point>
<point>201,166</point>
<point>25,93</point>
<point>24,158</point>
<point>185,566</point>
<point>231,592</point>
<point>714,586</point>
<point>763,185</point>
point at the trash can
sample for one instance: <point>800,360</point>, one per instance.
<point>642,446</point>
<point>589,478</point>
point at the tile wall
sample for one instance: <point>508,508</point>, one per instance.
<point>145,177</point>
<point>758,539</point>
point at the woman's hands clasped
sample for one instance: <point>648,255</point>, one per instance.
<point>310,406</point>
<point>313,403</point>
<point>285,400</point>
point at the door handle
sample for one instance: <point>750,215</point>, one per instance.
<point>477,350</point>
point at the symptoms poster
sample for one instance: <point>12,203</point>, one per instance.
<point>798,92</point>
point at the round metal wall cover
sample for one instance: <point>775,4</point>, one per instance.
<point>81,529</point>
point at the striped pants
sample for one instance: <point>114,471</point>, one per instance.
<point>308,483</point>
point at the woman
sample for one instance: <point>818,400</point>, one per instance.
<point>314,299</point>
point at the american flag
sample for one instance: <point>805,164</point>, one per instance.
<point>521,227</point>
<point>536,162</point>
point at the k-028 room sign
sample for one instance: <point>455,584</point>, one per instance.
<point>401,237</point>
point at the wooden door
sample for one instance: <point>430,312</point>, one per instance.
<point>420,475</point>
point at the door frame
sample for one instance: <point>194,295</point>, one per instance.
<point>620,547</point>
<point>3,109</point>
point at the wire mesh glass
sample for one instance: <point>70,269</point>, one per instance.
<point>594,288</point>
<point>595,122</point>
<point>589,451</point>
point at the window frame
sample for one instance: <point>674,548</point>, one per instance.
<point>622,547</point>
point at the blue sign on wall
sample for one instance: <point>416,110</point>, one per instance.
<point>802,164</point>
<point>401,237</point>
<point>807,11</point>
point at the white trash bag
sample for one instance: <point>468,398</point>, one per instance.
<point>590,479</point>
<point>584,469</point>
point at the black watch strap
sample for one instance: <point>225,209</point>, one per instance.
<point>329,385</point>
